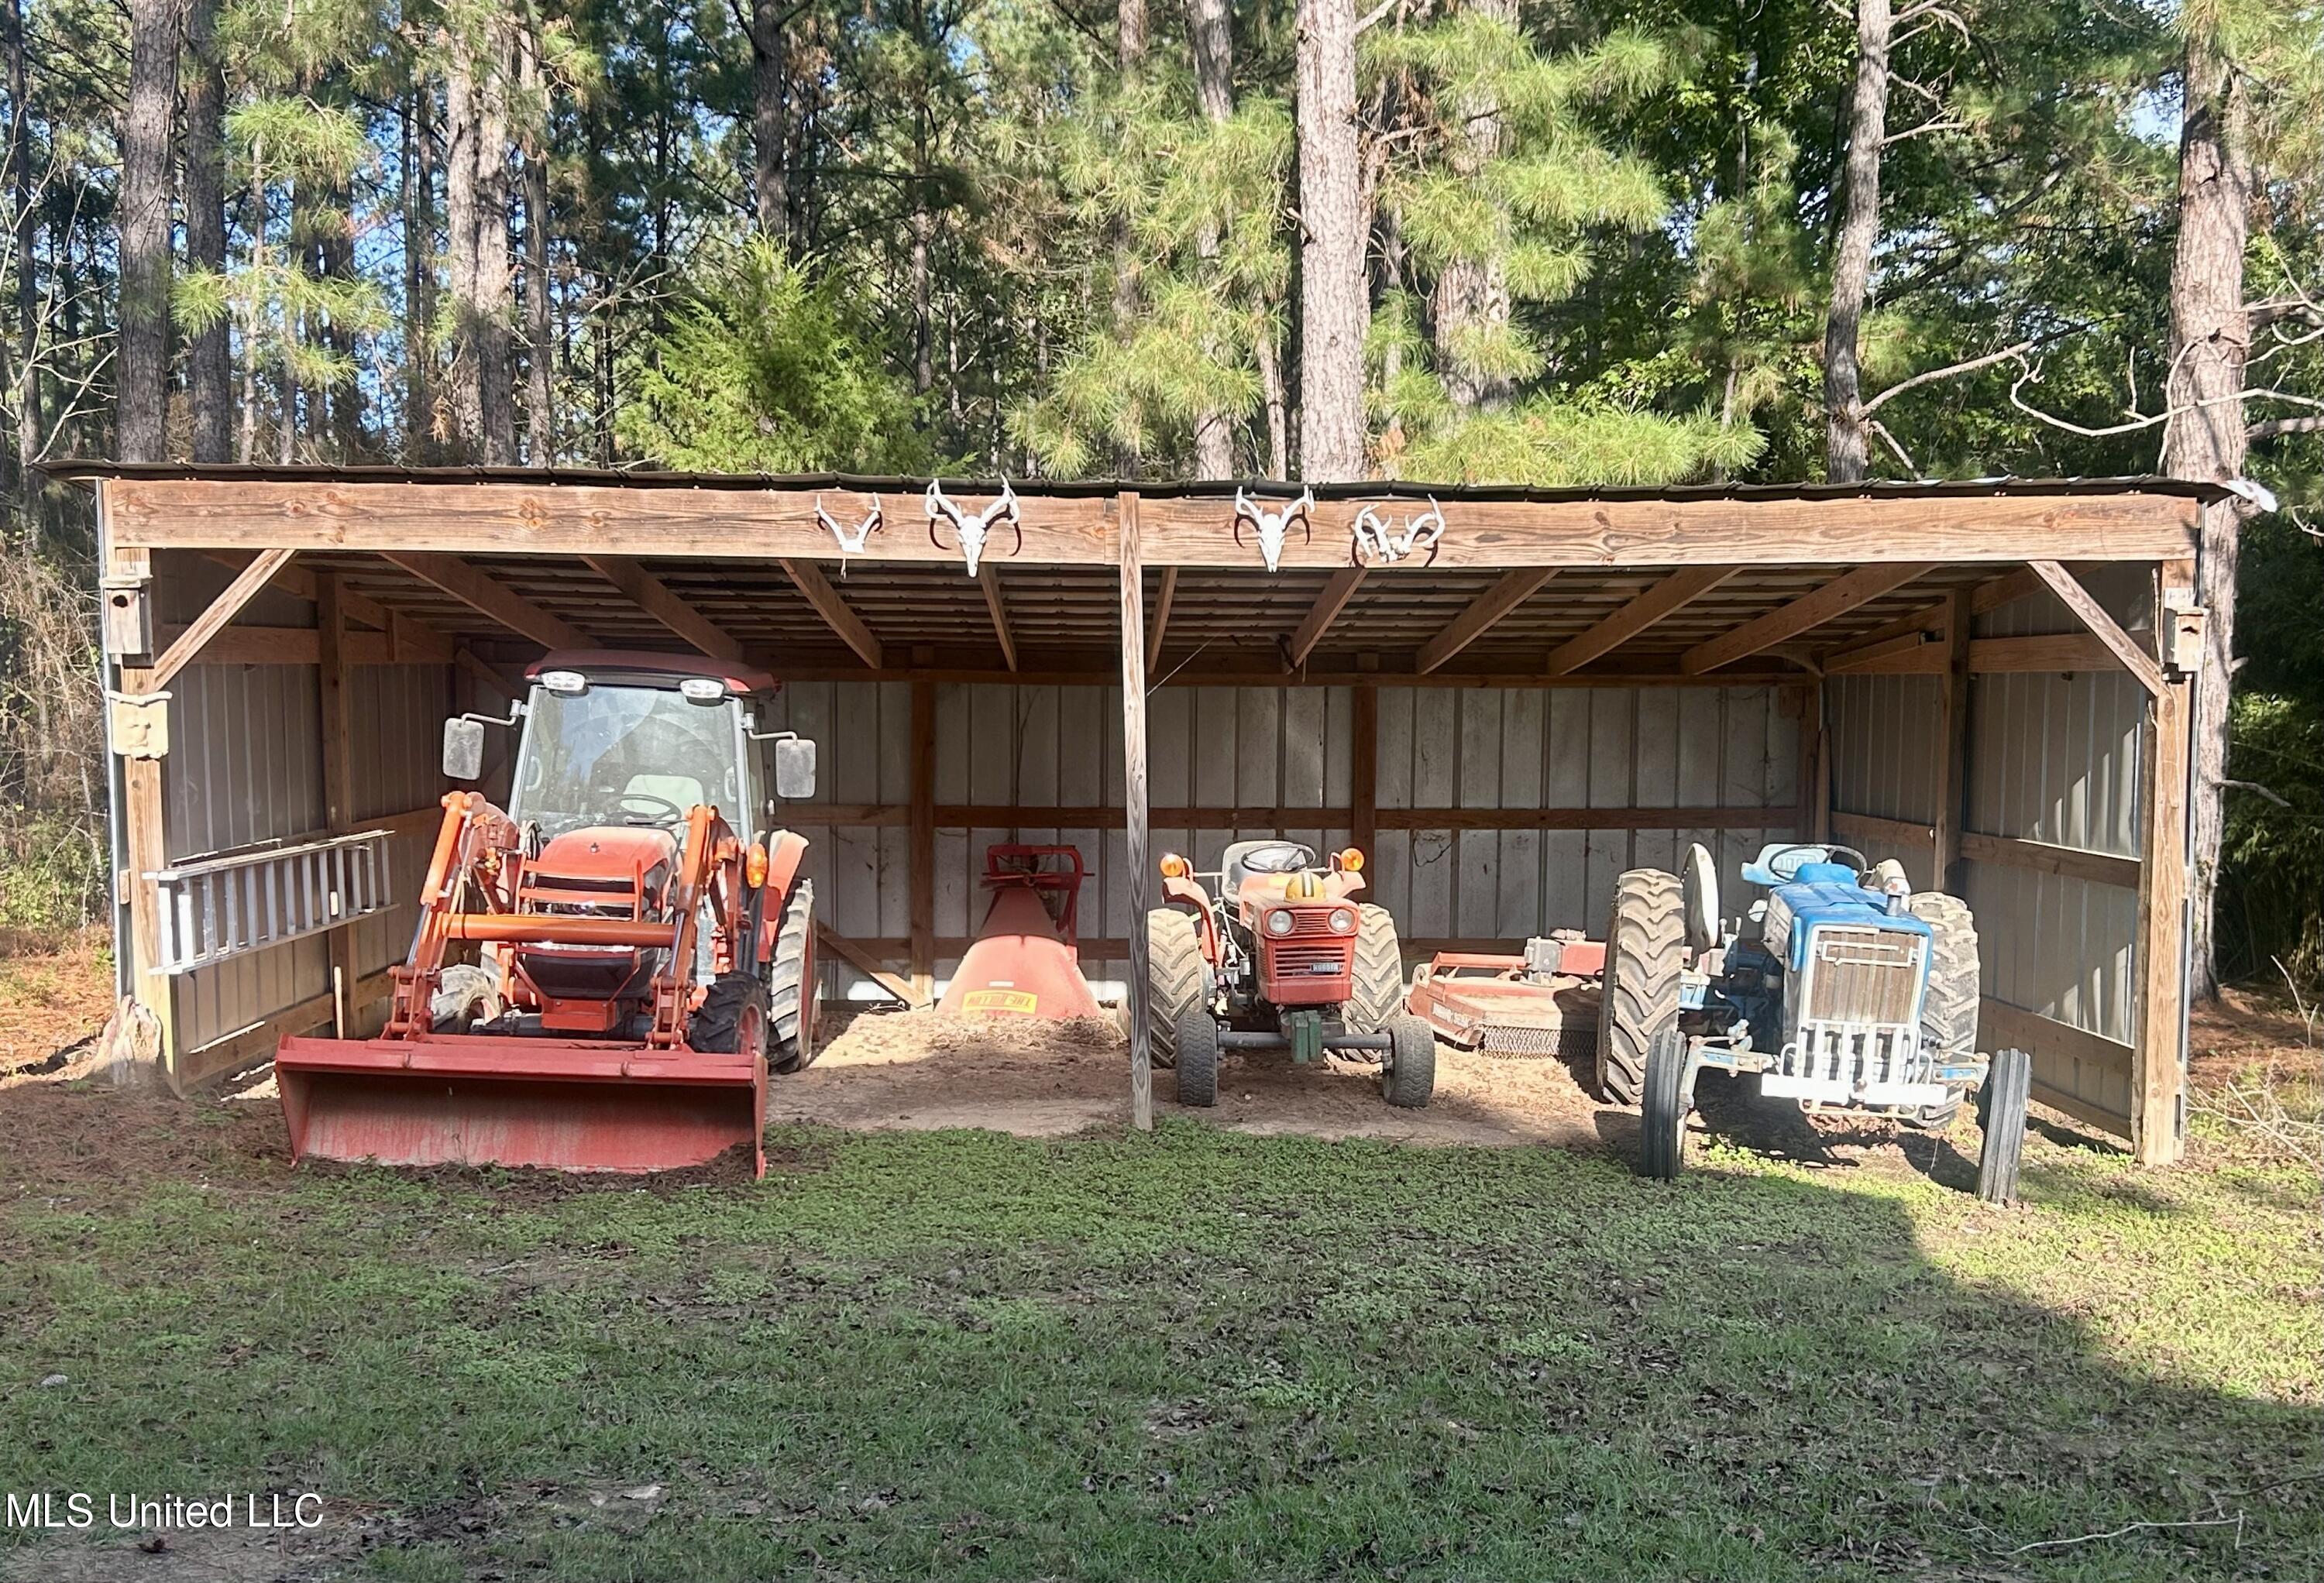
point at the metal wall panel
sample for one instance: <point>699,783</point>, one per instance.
<point>394,757</point>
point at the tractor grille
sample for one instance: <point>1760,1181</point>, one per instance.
<point>1862,976</point>
<point>1295,958</point>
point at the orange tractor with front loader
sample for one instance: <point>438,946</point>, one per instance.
<point>604,973</point>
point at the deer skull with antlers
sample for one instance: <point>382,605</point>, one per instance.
<point>972,527</point>
<point>851,542</point>
<point>1378,543</point>
<point>1273,526</point>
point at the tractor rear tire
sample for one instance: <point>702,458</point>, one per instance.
<point>2001,1107</point>
<point>790,985</point>
<point>1409,1075</point>
<point>1197,1043</point>
<point>1646,948</point>
<point>732,1018</point>
<point>1662,1108</point>
<point>1177,980</point>
<point>465,994</point>
<point>1949,1009</point>
<point>1375,996</point>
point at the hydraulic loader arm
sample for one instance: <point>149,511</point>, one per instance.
<point>477,840</point>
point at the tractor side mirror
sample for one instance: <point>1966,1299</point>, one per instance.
<point>794,768</point>
<point>464,749</point>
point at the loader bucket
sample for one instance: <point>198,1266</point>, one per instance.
<point>480,1100</point>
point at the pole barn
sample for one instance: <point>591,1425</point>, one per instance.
<point>1506,696</point>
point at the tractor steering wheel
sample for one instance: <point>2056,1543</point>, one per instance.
<point>671,813</point>
<point>1786,865</point>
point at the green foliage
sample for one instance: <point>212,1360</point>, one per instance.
<point>2272,856</point>
<point>763,371</point>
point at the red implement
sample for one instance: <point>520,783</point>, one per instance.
<point>1541,1004</point>
<point>1027,959</point>
<point>477,1099</point>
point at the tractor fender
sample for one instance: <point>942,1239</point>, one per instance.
<point>1206,923</point>
<point>786,851</point>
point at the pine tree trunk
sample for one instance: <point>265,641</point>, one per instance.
<point>25,223</point>
<point>254,331</point>
<point>1210,29</point>
<point>461,212</point>
<point>770,146</point>
<point>141,404</point>
<point>2210,336</point>
<point>335,257</point>
<point>1334,308</point>
<point>1846,453</point>
<point>495,364</point>
<point>1471,302</point>
<point>540,415</point>
<point>209,363</point>
<point>418,273</point>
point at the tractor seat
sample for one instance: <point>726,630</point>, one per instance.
<point>1246,857</point>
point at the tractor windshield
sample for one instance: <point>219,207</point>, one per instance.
<point>625,756</point>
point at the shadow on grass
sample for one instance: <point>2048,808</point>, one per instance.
<point>1191,1356</point>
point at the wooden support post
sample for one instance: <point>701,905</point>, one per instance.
<point>1952,745</point>
<point>337,718</point>
<point>2125,647</point>
<point>1132,577</point>
<point>2158,1073</point>
<point>207,625</point>
<point>923,918</point>
<point>1815,781</point>
<point>144,821</point>
<point>1363,771</point>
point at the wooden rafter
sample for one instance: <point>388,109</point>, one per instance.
<point>1160,622</point>
<point>1510,591</point>
<point>479,592</point>
<point>1680,588</point>
<point>301,583</point>
<point>222,609</point>
<point>1338,589</point>
<point>651,595</point>
<point>1866,656</point>
<point>834,610</point>
<point>988,579</point>
<point>1848,592</point>
<point>2125,647</point>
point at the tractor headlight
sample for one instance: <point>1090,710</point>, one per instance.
<point>565,684</point>
<point>702,689</point>
<point>1278,922</point>
<point>1343,920</point>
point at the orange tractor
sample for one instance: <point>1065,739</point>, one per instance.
<point>1281,957</point>
<point>643,942</point>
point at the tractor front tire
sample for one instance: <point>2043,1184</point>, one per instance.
<point>791,986</point>
<point>1375,995</point>
<point>1197,1043</point>
<point>1949,1008</point>
<point>1409,1075</point>
<point>731,1018</point>
<point>1662,1108</point>
<point>2001,1106</point>
<point>465,994</point>
<point>1177,980</point>
<point>1645,947</point>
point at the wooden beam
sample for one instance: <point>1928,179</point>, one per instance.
<point>922,853</point>
<point>299,646</point>
<point>1075,668</point>
<point>2043,858</point>
<point>1338,589</point>
<point>988,579</point>
<point>1130,575</point>
<point>1678,589</point>
<point>335,708</point>
<point>207,625</point>
<point>2124,649</point>
<point>1879,655</point>
<point>820,593</point>
<point>2007,589</point>
<point>532,516</point>
<point>1512,590</point>
<point>1159,622</point>
<point>1872,827</point>
<point>869,966</point>
<point>1952,744</point>
<point>1846,592</point>
<point>487,674</point>
<point>145,828</point>
<point>2158,1072</point>
<point>300,584</point>
<point>1363,770</point>
<point>2054,653</point>
<point>651,595</point>
<point>480,594</point>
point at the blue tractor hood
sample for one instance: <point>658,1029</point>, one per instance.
<point>1826,893</point>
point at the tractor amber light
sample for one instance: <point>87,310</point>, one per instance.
<point>1351,862</point>
<point>1175,867</point>
<point>754,866</point>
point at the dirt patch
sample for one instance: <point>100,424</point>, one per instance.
<point>54,995</point>
<point>924,1070</point>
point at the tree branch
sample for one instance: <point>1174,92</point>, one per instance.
<point>1934,374</point>
<point>2269,427</point>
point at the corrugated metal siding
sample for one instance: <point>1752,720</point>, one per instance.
<point>1561,748</point>
<point>394,758</point>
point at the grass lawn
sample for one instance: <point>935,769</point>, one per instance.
<point>1197,1355</point>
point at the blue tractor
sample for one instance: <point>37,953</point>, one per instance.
<point>1842,989</point>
